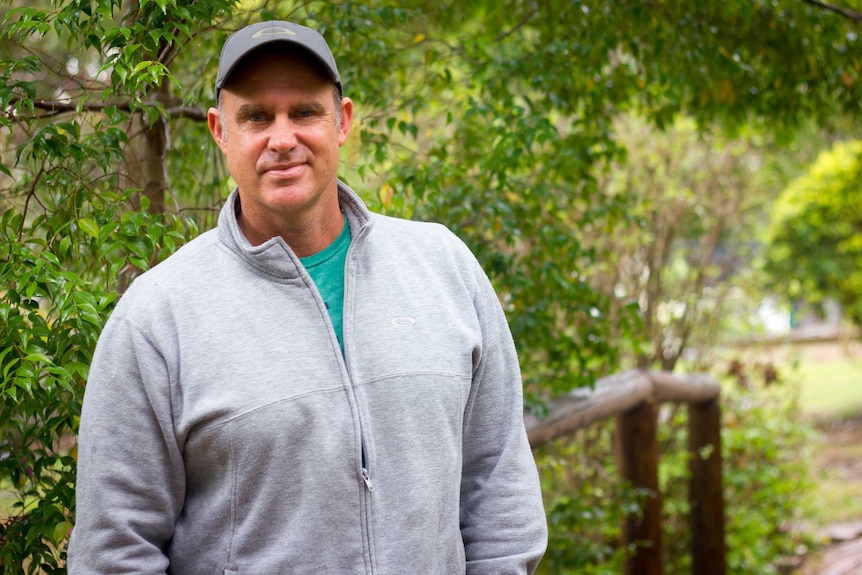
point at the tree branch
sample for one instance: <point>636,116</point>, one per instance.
<point>57,106</point>
<point>846,12</point>
<point>524,19</point>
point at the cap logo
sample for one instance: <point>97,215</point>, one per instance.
<point>273,32</point>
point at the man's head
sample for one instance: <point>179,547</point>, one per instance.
<point>280,122</point>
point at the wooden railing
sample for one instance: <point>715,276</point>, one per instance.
<point>632,398</point>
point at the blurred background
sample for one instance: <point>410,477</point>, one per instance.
<point>664,186</point>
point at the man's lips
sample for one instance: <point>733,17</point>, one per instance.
<point>290,170</point>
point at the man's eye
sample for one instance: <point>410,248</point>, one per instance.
<point>257,118</point>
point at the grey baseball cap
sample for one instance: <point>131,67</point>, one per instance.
<point>242,42</point>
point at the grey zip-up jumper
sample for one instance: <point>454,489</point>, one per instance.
<point>223,431</point>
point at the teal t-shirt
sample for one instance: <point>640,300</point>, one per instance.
<point>326,268</point>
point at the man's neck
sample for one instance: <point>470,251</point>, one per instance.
<point>305,238</point>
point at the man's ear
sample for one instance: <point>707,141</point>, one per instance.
<point>216,127</point>
<point>346,120</point>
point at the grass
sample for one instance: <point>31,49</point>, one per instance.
<point>837,463</point>
<point>831,389</point>
<point>831,396</point>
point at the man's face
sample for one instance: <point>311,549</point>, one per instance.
<point>280,136</point>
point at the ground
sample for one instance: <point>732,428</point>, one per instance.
<point>839,460</point>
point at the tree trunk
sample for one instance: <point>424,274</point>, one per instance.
<point>146,170</point>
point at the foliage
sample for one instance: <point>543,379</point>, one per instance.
<point>69,234</point>
<point>697,197</point>
<point>52,313</point>
<point>505,130</point>
<point>497,119</point>
<point>815,235</point>
<point>586,504</point>
<point>766,460</point>
<point>767,446</point>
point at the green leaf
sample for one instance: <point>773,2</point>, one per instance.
<point>61,531</point>
<point>89,226</point>
<point>39,357</point>
<point>141,66</point>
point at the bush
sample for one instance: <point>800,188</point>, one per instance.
<point>586,504</point>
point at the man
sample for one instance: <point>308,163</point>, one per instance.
<point>309,388</point>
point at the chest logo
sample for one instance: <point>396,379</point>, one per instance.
<point>403,321</point>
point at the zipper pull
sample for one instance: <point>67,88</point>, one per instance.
<point>367,479</point>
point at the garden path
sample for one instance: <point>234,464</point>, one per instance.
<point>842,555</point>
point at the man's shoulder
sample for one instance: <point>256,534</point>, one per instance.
<point>193,253</point>
<point>416,230</point>
<point>429,242</point>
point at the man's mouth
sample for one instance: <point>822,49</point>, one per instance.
<point>285,171</point>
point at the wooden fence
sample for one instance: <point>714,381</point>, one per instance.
<point>633,398</point>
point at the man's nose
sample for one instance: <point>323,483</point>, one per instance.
<point>283,134</point>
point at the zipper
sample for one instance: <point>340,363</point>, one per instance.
<point>349,272</point>
<point>365,475</point>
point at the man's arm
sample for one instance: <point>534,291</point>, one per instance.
<point>503,521</point>
<point>131,479</point>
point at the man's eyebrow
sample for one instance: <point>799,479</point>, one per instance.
<point>246,110</point>
<point>249,109</point>
<point>311,106</point>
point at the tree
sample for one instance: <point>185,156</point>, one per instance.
<point>86,94</point>
<point>698,198</point>
<point>517,177</point>
<point>814,240</point>
<point>496,119</point>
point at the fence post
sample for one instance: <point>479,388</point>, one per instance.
<point>637,453</point>
<point>705,489</point>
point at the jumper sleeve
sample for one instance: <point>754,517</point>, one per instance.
<point>503,522</point>
<point>131,478</point>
